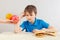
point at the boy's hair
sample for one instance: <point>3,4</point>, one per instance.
<point>30,9</point>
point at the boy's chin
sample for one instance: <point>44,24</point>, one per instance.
<point>29,21</point>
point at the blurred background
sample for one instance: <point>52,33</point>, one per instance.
<point>47,10</point>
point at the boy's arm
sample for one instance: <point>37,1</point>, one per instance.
<point>17,28</point>
<point>50,29</point>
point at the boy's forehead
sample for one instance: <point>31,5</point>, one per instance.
<point>32,13</point>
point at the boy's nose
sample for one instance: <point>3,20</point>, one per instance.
<point>29,17</point>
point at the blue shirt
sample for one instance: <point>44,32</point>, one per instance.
<point>38,24</point>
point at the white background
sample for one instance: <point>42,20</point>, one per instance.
<point>48,10</point>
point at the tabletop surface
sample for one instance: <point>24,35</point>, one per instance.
<point>26,36</point>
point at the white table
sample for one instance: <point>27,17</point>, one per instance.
<point>25,36</point>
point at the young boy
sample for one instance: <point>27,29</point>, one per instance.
<point>32,24</point>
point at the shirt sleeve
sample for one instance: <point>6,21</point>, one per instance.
<point>44,24</point>
<point>22,26</point>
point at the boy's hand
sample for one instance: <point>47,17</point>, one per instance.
<point>22,15</point>
<point>38,31</point>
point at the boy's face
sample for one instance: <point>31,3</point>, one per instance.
<point>31,17</point>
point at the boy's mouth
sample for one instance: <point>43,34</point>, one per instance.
<point>29,20</point>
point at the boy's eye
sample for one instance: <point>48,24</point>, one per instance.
<point>28,15</point>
